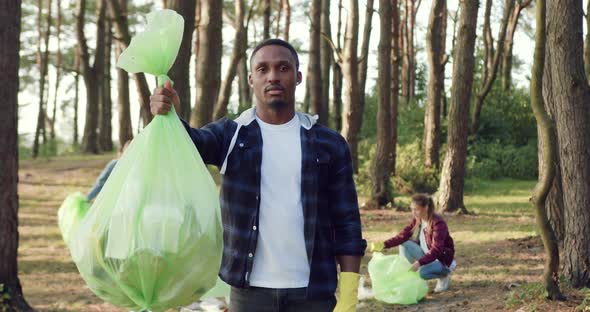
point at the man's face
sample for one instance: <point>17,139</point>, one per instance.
<point>274,77</point>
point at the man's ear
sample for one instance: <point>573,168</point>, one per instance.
<point>250,81</point>
<point>299,77</point>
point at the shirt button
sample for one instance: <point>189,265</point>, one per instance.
<point>256,197</point>
<point>250,255</point>
<point>241,144</point>
<point>254,228</point>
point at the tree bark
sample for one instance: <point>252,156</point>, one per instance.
<point>208,63</point>
<point>122,31</point>
<point>238,52</point>
<point>287,9</point>
<point>351,102</point>
<point>435,50</point>
<point>405,58</point>
<point>364,57</point>
<point>395,66</point>
<point>587,42</point>
<point>245,97</point>
<point>326,63</point>
<point>10,21</point>
<point>488,42</point>
<point>123,105</point>
<point>314,78</point>
<point>179,73</point>
<point>266,19</point>
<point>336,109</point>
<point>572,95</point>
<point>486,85</point>
<point>507,56</point>
<point>58,65</point>
<point>547,172</point>
<point>105,132</point>
<point>381,192</point>
<point>42,62</point>
<point>452,182</point>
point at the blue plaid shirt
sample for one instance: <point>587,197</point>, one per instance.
<point>332,223</point>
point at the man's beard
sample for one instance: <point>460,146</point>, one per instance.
<point>278,104</point>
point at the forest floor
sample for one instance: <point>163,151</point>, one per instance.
<point>499,256</point>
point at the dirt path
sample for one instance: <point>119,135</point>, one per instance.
<point>498,266</point>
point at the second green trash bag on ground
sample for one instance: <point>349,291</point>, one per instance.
<point>393,282</point>
<point>153,240</point>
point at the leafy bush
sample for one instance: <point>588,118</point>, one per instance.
<point>494,160</point>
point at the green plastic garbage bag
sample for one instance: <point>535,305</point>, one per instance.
<point>220,290</point>
<point>71,211</point>
<point>154,50</point>
<point>153,238</point>
<point>393,282</point>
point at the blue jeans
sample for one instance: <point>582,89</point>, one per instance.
<point>256,299</point>
<point>412,251</point>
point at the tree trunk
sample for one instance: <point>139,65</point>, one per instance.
<point>435,51</point>
<point>572,95</point>
<point>549,151</point>
<point>382,192</point>
<point>587,43</point>
<point>488,43</point>
<point>92,74</point>
<point>105,132</point>
<point>314,78</point>
<point>42,62</point>
<point>208,63</point>
<point>405,62</point>
<point>179,73</point>
<point>278,19</point>
<point>57,70</point>
<point>245,97</point>
<point>10,21</point>
<point>123,105</point>
<point>287,9</point>
<point>336,109</point>
<point>237,53</point>
<point>486,85</point>
<point>554,201</point>
<point>326,63</point>
<point>394,96</point>
<point>411,48</point>
<point>121,24</point>
<point>507,56</point>
<point>351,102</point>
<point>364,61</point>
<point>266,19</point>
<point>452,181</point>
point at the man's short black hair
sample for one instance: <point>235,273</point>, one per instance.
<point>279,42</point>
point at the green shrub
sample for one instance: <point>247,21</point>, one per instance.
<point>495,160</point>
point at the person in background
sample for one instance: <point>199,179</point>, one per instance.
<point>104,175</point>
<point>426,243</point>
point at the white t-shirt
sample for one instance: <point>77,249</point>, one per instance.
<point>423,245</point>
<point>280,260</point>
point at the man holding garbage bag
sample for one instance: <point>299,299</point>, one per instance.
<point>288,200</point>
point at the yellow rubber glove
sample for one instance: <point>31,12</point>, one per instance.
<point>376,246</point>
<point>348,288</point>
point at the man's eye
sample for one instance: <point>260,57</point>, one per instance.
<point>261,69</point>
<point>284,68</point>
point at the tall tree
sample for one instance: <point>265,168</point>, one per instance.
<point>314,73</point>
<point>11,292</point>
<point>287,9</point>
<point>351,113</point>
<point>381,192</point>
<point>408,73</point>
<point>435,39</point>
<point>491,71</point>
<point>336,109</point>
<point>76,93</point>
<point>507,55</point>
<point>547,172</point>
<point>58,65</point>
<point>92,74</point>
<point>572,117</point>
<point>105,131</point>
<point>238,51</point>
<point>123,105</point>
<point>587,42</point>
<point>452,181</point>
<point>179,73</point>
<point>118,12</point>
<point>364,56</point>
<point>208,63</point>
<point>42,62</point>
<point>266,19</point>
<point>326,63</point>
<point>395,66</point>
